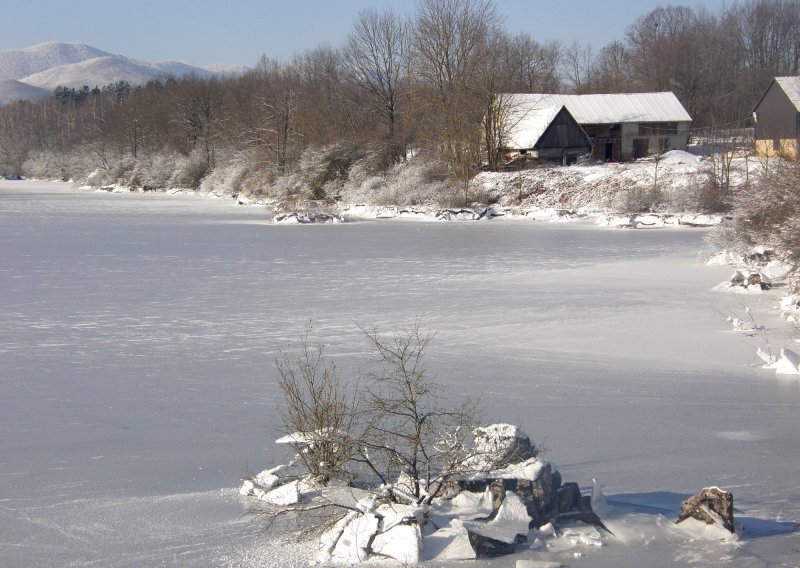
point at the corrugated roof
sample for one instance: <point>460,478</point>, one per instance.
<point>526,126</point>
<point>790,86</point>
<point>608,109</point>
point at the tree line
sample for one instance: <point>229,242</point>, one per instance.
<point>425,85</point>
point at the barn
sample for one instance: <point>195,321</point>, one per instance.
<point>548,133</point>
<point>620,127</point>
<point>777,119</point>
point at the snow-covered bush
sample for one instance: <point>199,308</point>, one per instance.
<point>766,213</point>
<point>190,170</point>
<point>419,181</point>
<point>46,164</point>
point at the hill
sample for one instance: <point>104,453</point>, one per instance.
<point>19,63</point>
<point>11,91</point>
<point>109,69</point>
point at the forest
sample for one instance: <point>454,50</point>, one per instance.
<point>423,87</point>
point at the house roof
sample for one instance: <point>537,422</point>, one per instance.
<point>526,126</point>
<point>790,86</point>
<point>610,108</point>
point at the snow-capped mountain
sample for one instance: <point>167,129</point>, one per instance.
<point>101,71</point>
<point>19,63</point>
<point>31,72</point>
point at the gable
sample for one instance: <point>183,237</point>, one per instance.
<point>777,113</point>
<point>552,127</point>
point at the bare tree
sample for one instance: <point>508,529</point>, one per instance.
<point>578,64</point>
<point>391,427</point>
<point>374,54</point>
<point>409,434</point>
<point>612,68</point>
<point>448,40</point>
<point>319,412</point>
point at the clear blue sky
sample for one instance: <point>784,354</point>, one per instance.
<point>240,31</point>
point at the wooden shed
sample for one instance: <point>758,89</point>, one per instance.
<point>777,119</point>
<point>549,133</point>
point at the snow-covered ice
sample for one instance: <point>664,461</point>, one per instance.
<point>137,386</point>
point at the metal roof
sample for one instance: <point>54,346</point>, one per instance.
<point>790,86</point>
<point>607,109</point>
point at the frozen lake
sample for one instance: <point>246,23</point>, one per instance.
<point>137,334</point>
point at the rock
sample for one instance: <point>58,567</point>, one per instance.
<point>568,496</point>
<point>462,214</point>
<point>500,445</point>
<point>538,493</point>
<point>749,280</point>
<point>485,546</point>
<point>711,506</point>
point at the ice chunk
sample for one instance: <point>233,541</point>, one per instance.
<point>512,519</point>
<point>402,542</point>
<point>448,543</point>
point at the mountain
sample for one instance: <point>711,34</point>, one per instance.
<point>11,91</point>
<point>34,72</point>
<point>101,71</point>
<point>19,63</point>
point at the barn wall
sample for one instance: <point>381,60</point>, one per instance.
<point>777,117</point>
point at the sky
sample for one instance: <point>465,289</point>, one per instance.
<point>239,32</point>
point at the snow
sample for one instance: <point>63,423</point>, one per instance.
<point>512,520</point>
<point>466,505</point>
<point>288,494</point>
<point>450,542</point>
<point>528,125</point>
<point>139,333</point>
<point>353,544</point>
<point>402,542</point>
<point>787,363</point>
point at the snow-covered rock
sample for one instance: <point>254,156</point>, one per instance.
<point>450,542</point>
<point>712,506</point>
<point>353,544</point>
<point>749,281</point>
<point>463,214</point>
<point>790,308</point>
<point>499,445</point>
<point>401,542</point>
<point>288,494</point>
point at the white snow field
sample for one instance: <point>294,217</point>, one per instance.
<point>137,334</point>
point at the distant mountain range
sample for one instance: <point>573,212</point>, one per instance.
<point>32,73</point>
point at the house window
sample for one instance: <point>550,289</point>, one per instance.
<point>657,128</point>
<point>663,144</point>
<point>776,145</point>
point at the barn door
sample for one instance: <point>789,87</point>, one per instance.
<point>641,147</point>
